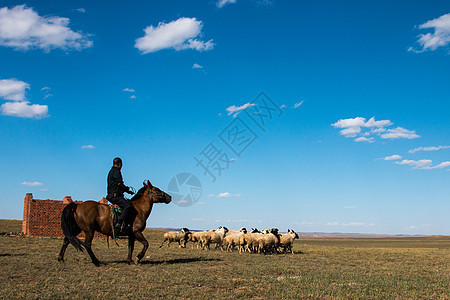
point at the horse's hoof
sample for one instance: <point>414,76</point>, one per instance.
<point>131,262</point>
<point>96,263</point>
<point>61,260</point>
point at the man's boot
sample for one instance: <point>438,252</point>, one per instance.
<point>118,228</point>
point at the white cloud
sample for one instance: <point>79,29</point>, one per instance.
<point>133,97</point>
<point>398,133</point>
<point>235,110</point>
<point>240,221</point>
<point>442,165</point>
<point>428,149</point>
<point>393,157</point>
<point>364,139</point>
<point>378,124</point>
<point>32,183</point>
<point>22,28</point>
<point>179,35</point>
<point>24,110</point>
<point>228,195</point>
<point>197,66</point>
<point>355,224</point>
<point>332,224</point>
<point>350,207</point>
<point>298,104</point>
<point>378,130</point>
<point>417,164</point>
<point>222,3</point>
<point>283,106</point>
<point>81,10</point>
<point>13,89</point>
<point>351,131</point>
<point>353,127</point>
<point>43,190</point>
<point>128,90</point>
<point>424,164</point>
<point>88,147</point>
<point>439,38</point>
<point>346,123</point>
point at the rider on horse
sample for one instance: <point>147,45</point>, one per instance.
<point>116,188</point>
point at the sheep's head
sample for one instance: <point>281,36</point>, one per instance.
<point>254,230</point>
<point>184,230</point>
<point>290,231</point>
<point>274,231</point>
<point>222,229</point>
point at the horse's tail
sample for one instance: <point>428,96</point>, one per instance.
<point>70,227</point>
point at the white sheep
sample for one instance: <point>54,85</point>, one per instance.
<point>287,239</point>
<point>195,237</point>
<point>268,243</point>
<point>232,240</point>
<point>176,236</point>
<point>248,241</point>
<point>213,236</point>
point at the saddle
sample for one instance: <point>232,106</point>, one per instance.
<point>115,213</point>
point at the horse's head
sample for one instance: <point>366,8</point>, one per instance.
<point>157,195</point>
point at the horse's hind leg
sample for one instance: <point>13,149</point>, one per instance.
<point>140,237</point>
<point>88,243</point>
<point>63,250</point>
<point>131,239</point>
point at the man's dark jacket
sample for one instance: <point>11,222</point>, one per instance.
<point>114,178</point>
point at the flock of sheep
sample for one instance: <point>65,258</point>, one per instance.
<point>266,241</point>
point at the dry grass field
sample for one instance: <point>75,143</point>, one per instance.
<point>339,268</point>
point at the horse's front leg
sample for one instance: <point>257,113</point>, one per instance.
<point>131,239</point>
<point>140,237</point>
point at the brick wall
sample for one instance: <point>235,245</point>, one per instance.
<point>42,218</point>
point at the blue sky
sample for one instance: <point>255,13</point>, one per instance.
<point>155,82</point>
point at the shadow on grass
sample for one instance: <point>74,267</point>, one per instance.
<point>179,261</point>
<point>11,254</point>
<point>171,261</point>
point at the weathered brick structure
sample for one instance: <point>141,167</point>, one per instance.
<point>42,218</point>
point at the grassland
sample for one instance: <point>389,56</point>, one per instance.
<point>344,268</point>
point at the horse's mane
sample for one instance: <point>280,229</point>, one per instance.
<point>139,194</point>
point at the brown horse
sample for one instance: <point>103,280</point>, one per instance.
<point>91,216</point>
